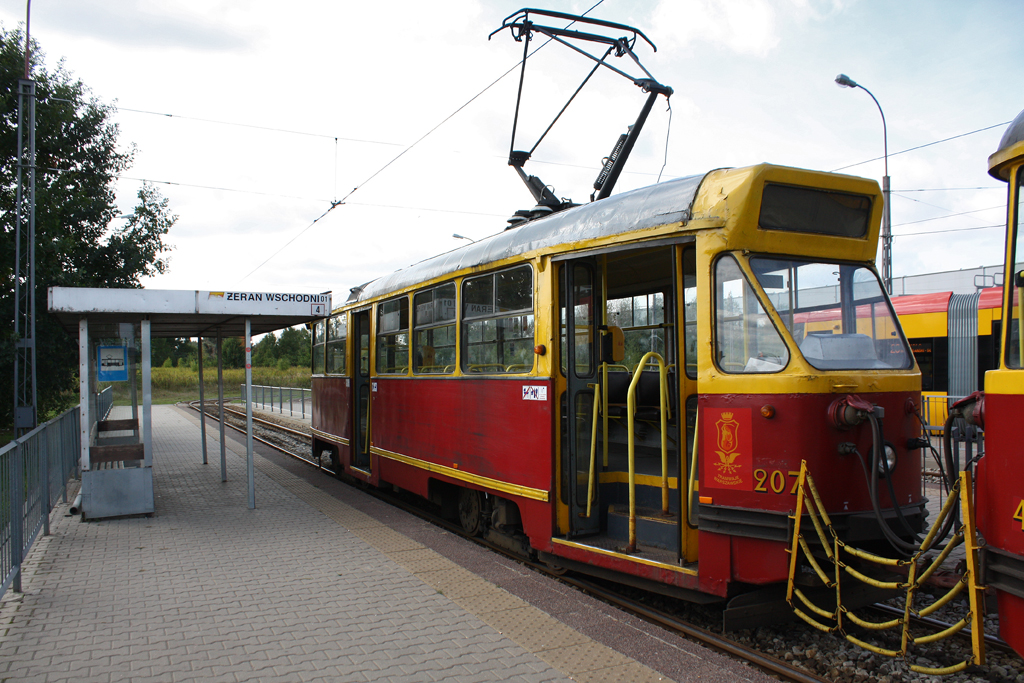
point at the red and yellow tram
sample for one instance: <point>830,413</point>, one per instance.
<point>628,387</point>
<point>1000,474</point>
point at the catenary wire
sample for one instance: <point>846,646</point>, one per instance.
<point>911,149</point>
<point>376,173</point>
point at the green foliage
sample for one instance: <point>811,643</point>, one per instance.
<point>168,363</point>
<point>77,161</point>
<point>264,354</point>
<point>292,348</point>
<point>233,353</point>
<point>175,350</point>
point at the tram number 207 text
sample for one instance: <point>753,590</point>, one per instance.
<point>776,480</point>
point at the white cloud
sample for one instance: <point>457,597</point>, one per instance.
<point>742,26</point>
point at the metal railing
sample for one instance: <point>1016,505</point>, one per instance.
<point>104,402</point>
<point>34,471</point>
<point>281,399</point>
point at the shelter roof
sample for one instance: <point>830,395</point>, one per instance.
<point>186,313</point>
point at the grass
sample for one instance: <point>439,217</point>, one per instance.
<point>173,385</point>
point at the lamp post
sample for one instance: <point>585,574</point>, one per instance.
<point>845,81</point>
<point>462,237</point>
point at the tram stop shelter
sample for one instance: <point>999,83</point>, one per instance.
<point>115,327</point>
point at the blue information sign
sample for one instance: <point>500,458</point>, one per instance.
<point>112,363</point>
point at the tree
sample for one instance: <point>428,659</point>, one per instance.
<point>77,162</point>
<point>233,353</point>
<point>264,354</point>
<point>294,346</point>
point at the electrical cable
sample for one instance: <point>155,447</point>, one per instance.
<point>940,232</point>
<point>337,203</point>
<point>668,132</point>
<point>911,149</point>
<point>951,215</point>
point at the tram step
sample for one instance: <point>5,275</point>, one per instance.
<point>652,527</point>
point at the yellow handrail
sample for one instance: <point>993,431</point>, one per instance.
<point>630,416</point>
<point>692,479</point>
<point>593,446</point>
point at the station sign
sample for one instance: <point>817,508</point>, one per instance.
<point>263,303</point>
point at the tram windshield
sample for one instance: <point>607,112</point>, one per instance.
<point>837,313</point>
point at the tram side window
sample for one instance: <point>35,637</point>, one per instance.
<point>434,330</point>
<point>393,337</point>
<point>319,339</point>
<point>1015,340</point>
<point>642,319</point>
<point>745,338</point>
<point>337,332</point>
<point>497,313</point>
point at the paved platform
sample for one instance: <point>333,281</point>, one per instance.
<point>319,583</point>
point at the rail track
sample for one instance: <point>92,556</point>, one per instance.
<point>296,444</point>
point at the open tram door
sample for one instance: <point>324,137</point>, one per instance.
<point>632,300</point>
<point>579,301</point>
<point>361,391</point>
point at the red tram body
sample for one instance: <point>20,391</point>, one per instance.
<point>628,388</point>
<point>1000,472</point>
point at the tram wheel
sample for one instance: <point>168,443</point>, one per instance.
<point>470,506</point>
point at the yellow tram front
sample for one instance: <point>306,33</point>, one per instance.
<point>752,337</point>
<point>803,362</point>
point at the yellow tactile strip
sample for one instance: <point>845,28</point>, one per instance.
<point>557,644</point>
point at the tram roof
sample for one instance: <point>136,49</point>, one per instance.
<point>633,211</point>
<point>185,313</point>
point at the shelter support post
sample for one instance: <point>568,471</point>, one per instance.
<point>84,429</point>
<point>147,394</point>
<point>249,471</point>
<point>220,403</point>
<point>202,400</point>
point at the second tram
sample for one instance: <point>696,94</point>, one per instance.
<point>1000,472</point>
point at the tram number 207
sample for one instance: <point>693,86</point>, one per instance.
<point>776,480</point>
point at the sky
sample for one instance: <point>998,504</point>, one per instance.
<point>254,117</point>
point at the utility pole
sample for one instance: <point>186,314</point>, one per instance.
<point>25,413</point>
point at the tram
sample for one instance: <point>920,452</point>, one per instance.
<point>629,387</point>
<point>1000,474</point>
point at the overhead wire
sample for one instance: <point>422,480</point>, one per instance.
<point>929,144</point>
<point>337,203</point>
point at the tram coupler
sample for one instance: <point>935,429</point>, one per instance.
<point>972,409</point>
<point>851,411</point>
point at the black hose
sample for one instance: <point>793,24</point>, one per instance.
<point>878,457</point>
<point>878,448</point>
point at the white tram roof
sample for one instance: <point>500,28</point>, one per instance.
<point>633,211</point>
<point>186,313</point>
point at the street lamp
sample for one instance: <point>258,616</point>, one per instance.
<point>845,81</point>
<point>462,237</point>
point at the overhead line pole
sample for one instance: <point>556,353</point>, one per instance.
<point>25,413</point>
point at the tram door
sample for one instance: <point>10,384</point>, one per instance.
<point>361,391</point>
<point>581,301</point>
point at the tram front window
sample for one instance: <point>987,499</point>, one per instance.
<point>837,314</point>
<point>746,339</point>
<point>1015,341</point>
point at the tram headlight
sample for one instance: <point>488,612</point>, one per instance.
<point>890,460</point>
